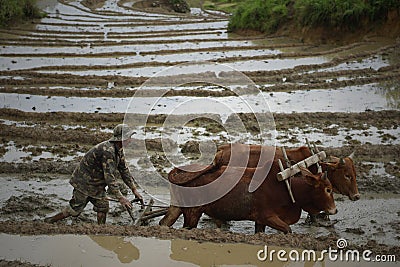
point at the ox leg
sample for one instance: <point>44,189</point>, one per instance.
<point>172,215</point>
<point>259,228</point>
<point>320,219</point>
<point>311,218</point>
<point>325,216</point>
<point>219,223</point>
<point>276,223</point>
<point>191,217</point>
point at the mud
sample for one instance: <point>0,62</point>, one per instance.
<point>63,56</point>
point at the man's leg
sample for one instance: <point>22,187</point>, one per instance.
<point>76,205</point>
<point>101,217</point>
<point>59,216</point>
<point>101,206</point>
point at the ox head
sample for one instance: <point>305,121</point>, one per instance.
<point>321,193</point>
<point>342,174</point>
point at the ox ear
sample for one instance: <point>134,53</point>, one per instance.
<point>305,172</point>
<point>329,165</point>
<point>311,178</point>
<point>331,159</point>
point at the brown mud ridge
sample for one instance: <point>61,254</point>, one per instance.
<point>292,240</point>
<point>51,123</point>
<point>49,135</point>
<point>309,48</point>
<point>45,169</point>
<point>334,62</point>
<point>309,81</point>
<point>303,77</point>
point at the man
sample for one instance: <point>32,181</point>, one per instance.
<point>96,170</point>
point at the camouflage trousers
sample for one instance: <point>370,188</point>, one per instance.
<point>79,201</point>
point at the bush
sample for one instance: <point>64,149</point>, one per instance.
<point>378,9</point>
<point>330,13</point>
<point>343,13</point>
<point>180,6</point>
<point>14,10</point>
<point>267,15</point>
<point>259,15</point>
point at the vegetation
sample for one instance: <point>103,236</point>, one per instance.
<point>17,10</point>
<point>180,6</point>
<point>343,13</point>
<point>268,15</point>
<point>227,6</point>
<point>259,15</point>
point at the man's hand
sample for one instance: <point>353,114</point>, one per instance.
<point>137,195</point>
<point>125,202</point>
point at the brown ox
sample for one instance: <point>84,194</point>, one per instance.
<point>269,205</point>
<point>341,171</point>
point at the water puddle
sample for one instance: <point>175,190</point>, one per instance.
<point>346,99</point>
<point>129,71</point>
<point>76,250</point>
<point>20,62</point>
<point>340,138</point>
<point>58,187</point>
<point>374,62</point>
<point>31,153</point>
<point>98,48</point>
<point>128,28</point>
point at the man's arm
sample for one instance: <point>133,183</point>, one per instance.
<point>109,168</point>
<point>128,178</point>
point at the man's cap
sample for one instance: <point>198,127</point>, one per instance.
<point>121,133</point>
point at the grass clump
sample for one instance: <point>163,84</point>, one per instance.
<point>180,6</point>
<point>268,15</point>
<point>18,10</point>
<point>343,13</point>
<point>227,6</point>
<point>259,15</point>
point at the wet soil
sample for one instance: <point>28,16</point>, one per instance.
<point>36,185</point>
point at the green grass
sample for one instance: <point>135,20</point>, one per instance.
<point>18,10</point>
<point>227,6</point>
<point>268,15</point>
<point>259,15</point>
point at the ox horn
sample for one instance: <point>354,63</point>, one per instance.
<point>351,155</point>
<point>325,175</point>
<point>341,162</point>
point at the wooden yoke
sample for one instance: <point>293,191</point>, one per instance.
<point>314,150</point>
<point>287,173</point>
<point>288,165</point>
<point>286,182</point>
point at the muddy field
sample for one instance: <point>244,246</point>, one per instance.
<point>68,79</point>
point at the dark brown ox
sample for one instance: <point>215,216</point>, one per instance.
<point>269,205</point>
<point>341,171</point>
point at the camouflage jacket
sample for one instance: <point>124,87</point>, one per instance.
<point>97,169</point>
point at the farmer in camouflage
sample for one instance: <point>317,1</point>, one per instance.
<point>96,170</point>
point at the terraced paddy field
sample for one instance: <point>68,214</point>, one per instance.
<point>180,80</point>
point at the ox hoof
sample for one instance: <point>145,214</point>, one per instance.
<point>320,220</point>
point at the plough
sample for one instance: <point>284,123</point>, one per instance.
<point>146,213</point>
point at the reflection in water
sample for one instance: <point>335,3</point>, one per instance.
<point>125,250</point>
<point>215,254</point>
<point>391,90</point>
<point>95,251</point>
